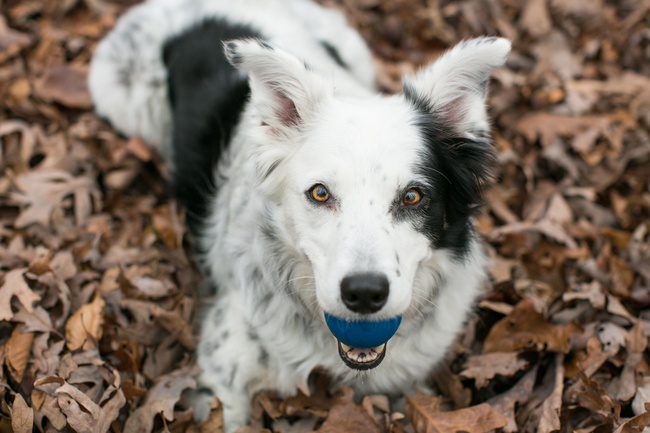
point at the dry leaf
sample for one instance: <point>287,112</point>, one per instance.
<point>43,192</point>
<point>15,285</point>
<point>484,367</point>
<point>160,400</point>
<point>525,328</point>
<point>65,84</point>
<point>22,416</point>
<point>17,350</point>
<point>84,415</point>
<point>84,328</point>
<point>349,418</point>
<point>423,411</point>
<point>506,402</point>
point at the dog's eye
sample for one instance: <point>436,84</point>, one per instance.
<point>319,193</point>
<point>412,197</point>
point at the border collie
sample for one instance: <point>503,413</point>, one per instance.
<point>309,195</point>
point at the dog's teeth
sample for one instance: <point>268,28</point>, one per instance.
<point>379,349</point>
<point>345,347</point>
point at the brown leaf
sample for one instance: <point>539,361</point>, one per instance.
<point>550,410</point>
<point>17,350</point>
<point>43,192</point>
<point>535,18</point>
<point>484,367</point>
<point>591,396</point>
<point>161,399</point>
<point>637,424</point>
<point>525,328</point>
<point>349,418</point>
<point>423,411</point>
<point>84,327</point>
<point>37,321</point>
<point>15,285</point>
<point>22,416</point>
<point>175,325</point>
<point>66,85</point>
<point>636,343</point>
<point>84,415</point>
<point>12,42</point>
<point>506,402</point>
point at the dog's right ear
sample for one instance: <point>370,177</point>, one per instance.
<point>283,90</point>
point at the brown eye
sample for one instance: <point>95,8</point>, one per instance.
<point>412,197</point>
<point>319,193</point>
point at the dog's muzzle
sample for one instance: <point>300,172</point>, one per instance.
<point>362,344</point>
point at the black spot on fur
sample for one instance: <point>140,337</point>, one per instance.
<point>456,169</point>
<point>207,96</point>
<point>334,54</point>
<point>263,359</point>
<point>266,45</point>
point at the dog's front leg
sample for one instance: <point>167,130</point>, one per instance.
<point>232,361</point>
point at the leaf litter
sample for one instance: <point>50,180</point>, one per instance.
<point>98,295</point>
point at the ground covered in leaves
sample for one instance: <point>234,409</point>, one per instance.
<point>98,296</point>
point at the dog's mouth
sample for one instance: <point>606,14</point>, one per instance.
<point>361,359</point>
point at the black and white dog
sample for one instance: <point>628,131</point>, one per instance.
<point>307,193</point>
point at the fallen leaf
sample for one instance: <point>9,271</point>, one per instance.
<point>43,192</point>
<point>12,42</point>
<point>161,399</point>
<point>84,328</point>
<point>524,329</point>
<point>535,18</point>
<point>551,407</point>
<point>14,285</point>
<point>65,84</point>
<point>505,403</point>
<point>22,416</point>
<point>17,350</point>
<point>424,413</point>
<point>483,368</point>
<point>84,415</point>
<point>349,418</point>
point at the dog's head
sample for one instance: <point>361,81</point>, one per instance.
<point>374,191</point>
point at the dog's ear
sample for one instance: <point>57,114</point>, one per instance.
<point>283,90</point>
<point>454,87</point>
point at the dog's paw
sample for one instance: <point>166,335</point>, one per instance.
<point>201,402</point>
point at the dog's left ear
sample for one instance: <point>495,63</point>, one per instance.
<point>454,87</point>
<point>283,90</point>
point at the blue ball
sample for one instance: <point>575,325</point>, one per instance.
<point>363,334</point>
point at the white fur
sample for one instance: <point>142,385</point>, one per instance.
<point>266,329</point>
<point>455,84</point>
<point>127,79</point>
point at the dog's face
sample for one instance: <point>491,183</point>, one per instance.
<point>374,190</point>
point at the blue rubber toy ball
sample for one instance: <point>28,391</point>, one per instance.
<point>363,334</point>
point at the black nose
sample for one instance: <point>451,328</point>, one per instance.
<point>364,293</point>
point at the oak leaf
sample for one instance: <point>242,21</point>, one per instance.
<point>22,416</point>
<point>15,285</point>
<point>525,328</point>
<point>86,322</point>
<point>426,416</point>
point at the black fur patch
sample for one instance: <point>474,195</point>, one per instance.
<point>207,96</point>
<point>334,54</point>
<point>456,169</point>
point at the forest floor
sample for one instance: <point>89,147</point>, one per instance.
<point>98,295</point>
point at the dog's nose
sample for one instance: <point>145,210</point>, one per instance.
<point>364,293</point>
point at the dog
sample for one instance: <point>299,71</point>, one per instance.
<point>308,194</point>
